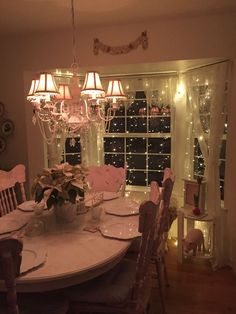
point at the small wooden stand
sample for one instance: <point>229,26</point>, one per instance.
<point>190,188</point>
<point>186,212</point>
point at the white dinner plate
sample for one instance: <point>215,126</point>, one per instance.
<point>122,210</point>
<point>32,258</point>
<point>27,206</point>
<point>13,221</point>
<point>120,230</point>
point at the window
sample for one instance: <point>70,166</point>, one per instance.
<point>140,135</point>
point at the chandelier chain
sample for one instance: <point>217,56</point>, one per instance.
<point>74,44</point>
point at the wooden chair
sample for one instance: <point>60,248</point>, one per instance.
<point>10,260</point>
<point>158,255</point>
<point>155,193</point>
<point>12,191</point>
<point>127,287</point>
<point>35,303</point>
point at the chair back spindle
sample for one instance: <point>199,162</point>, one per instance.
<point>147,225</point>
<point>8,186</point>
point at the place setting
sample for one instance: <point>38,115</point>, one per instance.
<point>122,207</point>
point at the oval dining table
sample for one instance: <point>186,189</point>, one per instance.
<point>73,255</point>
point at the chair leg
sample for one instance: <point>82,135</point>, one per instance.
<point>159,273</point>
<point>165,272</point>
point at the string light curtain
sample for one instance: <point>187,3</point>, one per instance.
<point>210,80</point>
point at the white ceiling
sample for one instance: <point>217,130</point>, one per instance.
<point>17,16</point>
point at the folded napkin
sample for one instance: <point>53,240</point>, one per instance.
<point>13,221</point>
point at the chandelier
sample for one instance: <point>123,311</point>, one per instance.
<point>64,109</point>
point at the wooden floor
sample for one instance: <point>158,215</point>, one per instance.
<point>195,288</point>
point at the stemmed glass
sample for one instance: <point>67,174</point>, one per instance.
<point>36,225</point>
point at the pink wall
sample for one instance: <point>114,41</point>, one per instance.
<point>169,39</point>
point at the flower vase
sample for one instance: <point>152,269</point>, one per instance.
<point>66,212</point>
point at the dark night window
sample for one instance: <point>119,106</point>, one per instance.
<point>72,151</point>
<point>140,135</point>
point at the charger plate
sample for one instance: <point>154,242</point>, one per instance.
<point>32,259</point>
<point>120,230</point>
<point>122,211</point>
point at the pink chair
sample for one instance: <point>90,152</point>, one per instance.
<point>106,178</point>
<point>10,260</point>
<point>155,193</point>
<point>10,197</point>
<point>127,287</point>
<point>168,173</point>
<point>158,256</point>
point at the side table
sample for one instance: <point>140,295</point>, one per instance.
<point>186,213</point>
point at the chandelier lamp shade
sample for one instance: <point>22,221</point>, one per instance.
<point>46,85</point>
<point>34,84</point>
<point>115,92</point>
<point>92,85</point>
<point>64,92</point>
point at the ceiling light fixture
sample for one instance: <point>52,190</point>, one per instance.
<point>67,109</point>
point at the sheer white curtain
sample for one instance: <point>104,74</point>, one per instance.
<point>212,80</point>
<point>92,145</point>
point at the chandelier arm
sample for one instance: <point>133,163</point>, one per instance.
<point>110,115</point>
<point>87,113</point>
<point>48,140</point>
<point>74,43</point>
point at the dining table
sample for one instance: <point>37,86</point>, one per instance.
<point>67,254</point>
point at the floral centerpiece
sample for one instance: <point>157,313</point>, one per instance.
<point>61,185</point>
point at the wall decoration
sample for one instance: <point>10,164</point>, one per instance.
<point>117,50</point>
<point>7,128</point>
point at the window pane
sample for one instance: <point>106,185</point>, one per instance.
<point>117,160</point>
<point>116,125</point>
<point>73,159</point>
<point>159,124</point>
<point>136,125</point>
<point>136,178</point>
<point>155,176</point>
<point>158,162</point>
<point>112,144</point>
<point>199,166</point>
<point>72,145</point>
<point>136,161</point>
<point>120,111</point>
<point>222,184</point>
<point>136,145</point>
<point>159,145</point>
<point>222,169</point>
<point>197,149</point>
<point>223,150</point>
